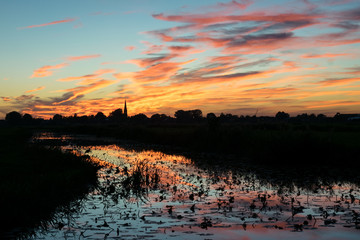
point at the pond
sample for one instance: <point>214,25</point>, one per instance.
<point>147,194</point>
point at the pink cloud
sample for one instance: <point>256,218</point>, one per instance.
<point>79,58</point>
<point>36,89</point>
<point>274,29</point>
<point>45,71</point>
<point>207,19</point>
<point>180,49</point>
<point>339,81</point>
<point>79,25</point>
<point>224,59</point>
<point>51,23</point>
<point>152,48</point>
<point>162,71</point>
<point>235,4</point>
<point>145,62</point>
<point>130,48</point>
<point>89,77</point>
<point>74,93</point>
<point>325,55</point>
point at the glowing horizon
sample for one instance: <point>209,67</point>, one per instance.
<point>241,57</point>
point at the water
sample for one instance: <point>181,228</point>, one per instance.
<point>152,195</point>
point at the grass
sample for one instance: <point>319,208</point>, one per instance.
<point>137,181</point>
<point>34,181</point>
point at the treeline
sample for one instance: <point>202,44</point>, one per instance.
<point>180,116</point>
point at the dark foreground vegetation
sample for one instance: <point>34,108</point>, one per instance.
<point>35,181</point>
<point>284,149</point>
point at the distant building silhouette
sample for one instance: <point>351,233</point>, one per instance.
<point>125,110</point>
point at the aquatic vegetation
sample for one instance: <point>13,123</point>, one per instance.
<point>141,178</point>
<point>149,194</point>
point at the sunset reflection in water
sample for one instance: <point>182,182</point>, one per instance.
<point>176,198</point>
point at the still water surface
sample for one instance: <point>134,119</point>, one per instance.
<point>152,195</point>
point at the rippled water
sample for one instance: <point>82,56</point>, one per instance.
<point>152,195</point>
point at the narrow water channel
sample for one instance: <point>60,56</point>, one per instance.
<point>152,195</point>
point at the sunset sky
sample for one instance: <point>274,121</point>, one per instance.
<point>241,57</point>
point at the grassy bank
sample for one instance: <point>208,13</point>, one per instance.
<point>34,181</point>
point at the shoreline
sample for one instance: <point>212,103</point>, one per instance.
<point>37,181</point>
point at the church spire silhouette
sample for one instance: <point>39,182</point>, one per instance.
<point>125,110</point>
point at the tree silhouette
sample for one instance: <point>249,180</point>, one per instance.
<point>182,115</point>
<point>13,117</point>
<point>196,114</point>
<point>83,119</point>
<point>57,117</point>
<point>321,116</point>
<point>186,116</point>
<point>116,115</point>
<point>229,117</point>
<point>139,117</point>
<point>282,115</point>
<point>27,117</point>
<point>312,116</point>
<point>213,121</point>
<point>159,117</point>
<point>210,116</point>
<point>100,116</point>
<point>303,116</point>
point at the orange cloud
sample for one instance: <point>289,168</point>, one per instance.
<point>159,72</point>
<point>45,71</point>
<point>81,107</point>
<point>94,77</point>
<point>145,62</point>
<point>51,23</point>
<point>36,89</point>
<point>78,58</point>
<point>130,48</point>
<point>224,59</point>
<point>267,92</point>
<point>331,103</point>
<point>79,91</point>
<point>339,81</point>
<point>6,99</point>
<point>180,49</point>
<point>152,48</point>
<point>325,55</point>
